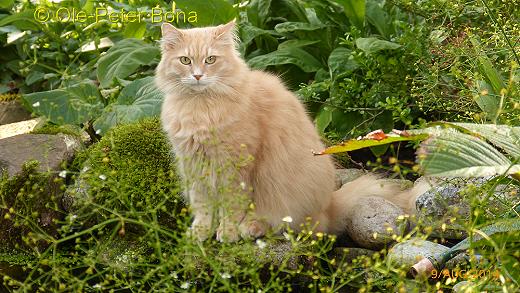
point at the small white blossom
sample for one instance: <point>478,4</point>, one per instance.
<point>63,174</point>
<point>85,169</point>
<point>261,244</point>
<point>243,185</point>
<point>97,286</point>
<point>102,177</point>
<point>98,131</point>
<point>287,219</point>
<point>225,276</point>
<point>37,104</point>
<point>174,275</point>
<point>73,217</point>
<point>185,285</point>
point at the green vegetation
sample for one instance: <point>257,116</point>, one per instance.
<point>115,221</point>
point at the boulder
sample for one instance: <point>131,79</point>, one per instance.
<point>12,111</point>
<point>373,222</point>
<point>409,252</point>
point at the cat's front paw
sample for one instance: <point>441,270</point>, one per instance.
<point>252,229</point>
<point>228,232</point>
<point>200,230</point>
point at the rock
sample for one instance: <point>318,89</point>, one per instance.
<point>443,210</point>
<point>12,111</point>
<point>411,251</point>
<point>17,128</point>
<point>346,175</point>
<point>373,222</point>
<point>50,150</point>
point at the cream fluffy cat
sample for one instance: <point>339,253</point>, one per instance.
<point>240,136</point>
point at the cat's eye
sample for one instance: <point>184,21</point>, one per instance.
<point>211,59</point>
<point>185,60</point>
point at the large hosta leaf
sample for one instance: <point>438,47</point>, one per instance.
<point>72,105</point>
<point>290,55</point>
<point>123,59</point>
<point>137,100</point>
<point>453,153</point>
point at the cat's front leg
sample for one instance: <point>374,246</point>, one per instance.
<point>202,225</point>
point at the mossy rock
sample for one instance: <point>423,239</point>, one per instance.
<point>129,173</point>
<point>29,208</point>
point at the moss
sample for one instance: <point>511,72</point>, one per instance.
<point>129,172</point>
<point>9,97</point>
<point>50,128</point>
<point>29,207</point>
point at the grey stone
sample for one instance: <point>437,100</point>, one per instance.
<point>374,216</point>
<point>444,208</point>
<point>12,111</point>
<point>346,175</point>
<point>50,150</point>
<point>409,252</point>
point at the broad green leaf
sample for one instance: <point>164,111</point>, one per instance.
<point>23,20</point>
<point>258,12</point>
<point>490,102</point>
<point>340,62</point>
<point>487,69</point>
<point>355,11</point>
<point>5,4</point>
<point>356,144</point>
<point>209,12</point>
<point>503,136</point>
<point>123,59</point>
<point>455,154</point>
<point>323,119</point>
<point>378,17</point>
<point>72,105</point>
<point>373,45</point>
<point>287,27</point>
<point>34,76</point>
<point>135,30</point>
<point>137,100</point>
<point>296,43</point>
<point>291,55</point>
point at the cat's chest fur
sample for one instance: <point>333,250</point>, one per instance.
<point>197,129</point>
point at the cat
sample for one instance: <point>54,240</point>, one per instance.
<point>243,143</point>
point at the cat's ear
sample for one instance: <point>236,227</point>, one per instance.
<point>170,32</point>
<point>226,32</point>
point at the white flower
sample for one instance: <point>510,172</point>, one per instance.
<point>37,104</point>
<point>243,185</point>
<point>287,219</point>
<point>185,285</point>
<point>63,174</point>
<point>174,275</point>
<point>102,177</point>
<point>261,244</point>
<point>85,169</point>
<point>97,286</point>
<point>225,276</point>
<point>98,131</point>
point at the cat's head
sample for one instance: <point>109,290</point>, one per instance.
<point>199,59</point>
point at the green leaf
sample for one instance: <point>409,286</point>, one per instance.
<point>123,59</point>
<point>373,45</point>
<point>287,27</point>
<point>340,62</point>
<point>355,11</point>
<point>258,12</point>
<point>296,43</point>
<point>490,102</point>
<point>209,12</point>
<point>72,105</point>
<point>23,20</point>
<point>135,30</point>
<point>455,154</point>
<point>33,76</point>
<point>377,16</point>
<point>487,69</point>
<point>6,4</point>
<point>323,119</point>
<point>291,55</point>
<point>356,144</point>
<point>137,100</point>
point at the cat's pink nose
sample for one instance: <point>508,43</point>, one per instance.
<point>197,76</point>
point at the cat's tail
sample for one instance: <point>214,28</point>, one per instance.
<point>344,200</point>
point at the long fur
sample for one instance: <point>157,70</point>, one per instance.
<point>237,112</point>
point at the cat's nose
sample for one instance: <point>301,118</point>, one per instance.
<point>197,76</point>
